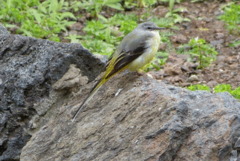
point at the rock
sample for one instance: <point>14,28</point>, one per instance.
<point>77,26</point>
<point>212,84</point>
<point>237,144</point>
<point>217,43</point>
<point>185,68</point>
<point>180,38</point>
<point>163,46</point>
<point>220,35</point>
<point>173,65</point>
<point>147,120</point>
<point>220,58</point>
<point>28,69</point>
<point>171,69</point>
<point>3,30</point>
<point>193,78</point>
<point>72,78</point>
<point>157,74</point>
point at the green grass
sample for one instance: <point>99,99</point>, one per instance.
<point>199,87</point>
<point>199,50</point>
<point>94,7</point>
<point>231,18</point>
<point>217,89</point>
<point>34,18</point>
<point>102,36</point>
<point>158,62</point>
<point>235,43</point>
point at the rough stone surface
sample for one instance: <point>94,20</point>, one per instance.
<point>3,30</point>
<point>134,117</point>
<point>28,68</point>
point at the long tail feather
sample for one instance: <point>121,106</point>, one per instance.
<point>108,74</point>
<point>90,95</point>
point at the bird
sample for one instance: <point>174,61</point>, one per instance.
<point>136,50</point>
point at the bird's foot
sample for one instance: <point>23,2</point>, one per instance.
<point>140,72</point>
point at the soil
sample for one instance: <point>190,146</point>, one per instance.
<point>204,24</point>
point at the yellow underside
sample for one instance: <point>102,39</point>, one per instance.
<point>146,57</point>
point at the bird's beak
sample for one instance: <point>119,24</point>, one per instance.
<point>158,28</point>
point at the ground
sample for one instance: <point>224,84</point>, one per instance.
<point>204,24</point>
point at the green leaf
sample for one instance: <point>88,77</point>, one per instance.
<point>116,6</point>
<point>10,25</point>
<point>199,87</point>
<point>231,17</point>
<point>236,93</point>
<point>222,88</point>
<point>235,43</point>
<point>67,15</point>
<point>200,50</point>
<point>36,15</point>
<point>171,5</point>
<point>53,6</point>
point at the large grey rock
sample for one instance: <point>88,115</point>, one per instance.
<point>138,118</point>
<point>28,68</point>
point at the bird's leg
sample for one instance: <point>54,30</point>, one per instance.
<point>140,72</point>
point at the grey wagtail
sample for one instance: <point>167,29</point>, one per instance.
<point>136,50</point>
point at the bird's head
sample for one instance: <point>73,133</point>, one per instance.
<point>149,26</point>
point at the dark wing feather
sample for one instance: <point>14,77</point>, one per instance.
<point>131,47</point>
<point>127,57</point>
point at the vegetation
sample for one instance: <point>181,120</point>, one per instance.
<point>101,36</point>
<point>231,17</point>
<point>173,13</point>
<point>94,7</point>
<point>159,61</point>
<point>199,51</point>
<point>199,87</point>
<point>35,18</point>
<point>235,43</point>
<point>217,89</point>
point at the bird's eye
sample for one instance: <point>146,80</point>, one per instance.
<point>149,28</point>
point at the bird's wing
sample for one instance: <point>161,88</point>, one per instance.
<point>128,51</point>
